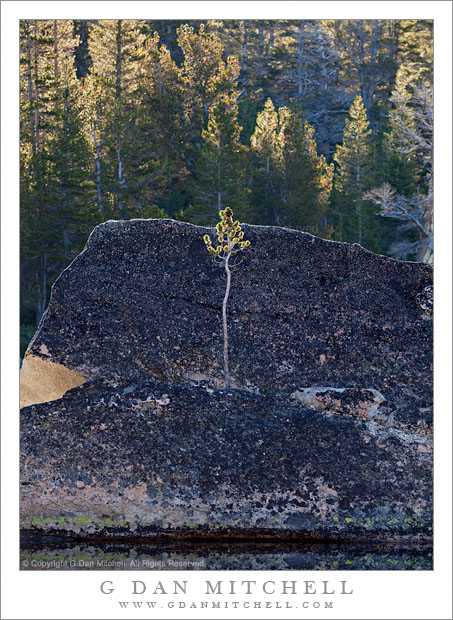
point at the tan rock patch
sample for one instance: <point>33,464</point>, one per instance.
<point>42,380</point>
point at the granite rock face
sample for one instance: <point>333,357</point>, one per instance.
<point>328,433</point>
<point>153,459</point>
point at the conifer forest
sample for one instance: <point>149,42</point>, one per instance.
<point>323,126</point>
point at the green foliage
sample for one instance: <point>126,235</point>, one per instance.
<point>164,112</point>
<point>353,156</point>
<point>57,206</point>
<point>132,173</point>
<point>407,193</point>
<point>220,166</point>
<point>230,242</point>
<point>292,183</point>
<point>144,118</point>
<point>354,175</point>
<point>307,178</point>
<point>229,237</point>
<point>206,76</point>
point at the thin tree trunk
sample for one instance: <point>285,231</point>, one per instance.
<point>98,176</point>
<point>55,47</point>
<point>219,178</point>
<point>367,70</point>
<point>205,108</point>
<point>225,325</point>
<point>358,206</point>
<point>271,37</point>
<point>97,159</point>
<point>42,289</point>
<point>31,100</point>
<point>120,179</point>
<point>38,311</point>
<point>36,107</point>
<point>261,52</point>
<point>244,57</point>
<point>299,60</point>
<point>359,215</point>
<point>372,69</point>
<point>119,44</point>
<point>426,245</point>
<point>66,244</point>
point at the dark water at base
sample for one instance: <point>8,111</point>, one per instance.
<point>39,554</point>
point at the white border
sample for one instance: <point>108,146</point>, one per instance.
<point>377,594</point>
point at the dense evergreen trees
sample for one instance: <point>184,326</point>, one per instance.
<point>141,118</point>
<point>117,50</point>
<point>57,198</point>
<point>408,195</point>
<point>292,184</point>
<point>218,179</point>
<point>265,165</point>
<point>354,172</point>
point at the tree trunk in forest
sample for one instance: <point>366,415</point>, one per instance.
<point>244,68</point>
<point>260,61</point>
<point>359,218</point>
<point>31,100</point>
<point>299,59</point>
<point>55,48</point>
<point>119,42</point>
<point>367,68</point>
<point>219,179</point>
<point>41,279</point>
<point>358,202</point>
<point>36,79</point>
<point>120,179</point>
<point>82,58</point>
<point>66,244</point>
<point>98,172</point>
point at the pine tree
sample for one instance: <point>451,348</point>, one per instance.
<point>220,167</point>
<point>226,251</point>
<point>307,178</point>
<point>70,166</point>
<point>354,173</point>
<point>131,176</point>
<point>164,111</point>
<point>82,58</point>
<point>265,172</point>
<point>96,104</point>
<point>410,140</point>
<point>206,76</point>
<point>414,46</point>
<point>366,60</point>
<point>291,183</point>
<point>55,188</point>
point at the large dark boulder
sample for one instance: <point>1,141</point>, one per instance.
<point>153,459</point>
<point>144,300</point>
<point>327,434</point>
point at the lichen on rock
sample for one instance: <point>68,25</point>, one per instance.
<point>140,440</point>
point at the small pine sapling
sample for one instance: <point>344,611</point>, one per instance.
<point>227,252</point>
